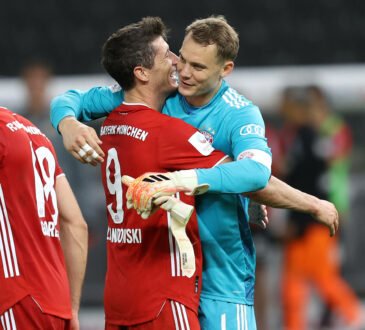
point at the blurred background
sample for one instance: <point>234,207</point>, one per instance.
<point>301,62</point>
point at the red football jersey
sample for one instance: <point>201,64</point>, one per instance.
<point>31,258</point>
<point>143,260</point>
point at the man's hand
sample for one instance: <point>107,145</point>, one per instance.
<point>74,322</point>
<point>143,190</point>
<point>258,214</point>
<point>81,141</point>
<point>327,214</point>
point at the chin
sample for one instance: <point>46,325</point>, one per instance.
<point>185,91</point>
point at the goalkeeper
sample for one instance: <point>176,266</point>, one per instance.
<point>232,124</point>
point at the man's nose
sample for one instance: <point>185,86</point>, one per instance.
<point>174,58</point>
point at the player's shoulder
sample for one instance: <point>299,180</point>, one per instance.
<point>7,117</point>
<point>5,114</point>
<point>235,108</point>
<point>235,103</point>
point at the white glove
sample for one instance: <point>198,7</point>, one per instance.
<point>149,186</point>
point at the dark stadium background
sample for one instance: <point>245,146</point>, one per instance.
<point>70,33</point>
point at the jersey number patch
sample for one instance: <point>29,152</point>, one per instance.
<point>115,187</point>
<point>44,166</point>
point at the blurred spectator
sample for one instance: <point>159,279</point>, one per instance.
<point>264,240</point>
<point>37,77</point>
<point>318,145</point>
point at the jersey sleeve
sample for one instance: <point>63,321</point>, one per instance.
<point>3,149</point>
<point>58,170</point>
<point>181,146</point>
<point>85,105</point>
<point>251,169</point>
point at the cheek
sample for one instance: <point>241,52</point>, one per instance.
<point>206,82</point>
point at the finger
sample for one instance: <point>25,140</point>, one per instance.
<point>92,155</point>
<point>129,204</point>
<point>86,147</point>
<point>160,200</point>
<point>96,142</point>
<point>145,214</point>
<point>91,161</point>
<point>81,153</point>
<point>76,155</point>
<point>127,180</point>
<point>332,230</point>
<point>141,198</point>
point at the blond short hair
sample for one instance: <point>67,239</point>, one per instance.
<point>215,30</point>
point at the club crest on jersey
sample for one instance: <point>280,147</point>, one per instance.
<point>201,144</point>
<point>245,154</point>
<point>208,136</point>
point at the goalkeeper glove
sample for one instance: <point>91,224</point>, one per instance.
<point>179,210</point>
<point>149,186</point>
<point>180,215</point>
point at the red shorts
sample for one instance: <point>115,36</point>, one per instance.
<point>174,316</point>
<point>26,314</point>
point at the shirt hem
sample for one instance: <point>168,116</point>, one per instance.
<point>233,300</point>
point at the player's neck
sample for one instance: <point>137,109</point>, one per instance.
<point>145,97</point>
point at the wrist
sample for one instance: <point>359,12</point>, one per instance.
<point>188,180</point>
<point>65,122</point>
<point>315,207</point>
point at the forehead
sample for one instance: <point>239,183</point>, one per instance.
<point>160,45</point>
<point>195,52</point>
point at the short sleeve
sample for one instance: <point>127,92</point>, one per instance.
<point>2,143</point>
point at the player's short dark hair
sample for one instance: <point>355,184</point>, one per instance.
<point>216,30</point>
<point>131,46</point>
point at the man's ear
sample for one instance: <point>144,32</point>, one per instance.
<point>141,73</point>
<point>227,68</point>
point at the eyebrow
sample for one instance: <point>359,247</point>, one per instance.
<point>196,64</point>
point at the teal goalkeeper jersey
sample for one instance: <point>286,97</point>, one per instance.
<point>235,126</point>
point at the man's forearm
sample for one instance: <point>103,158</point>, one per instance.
<point>278,194</point>
<point>74,239</point>
<point>235,177</point>
<point>74,245</point>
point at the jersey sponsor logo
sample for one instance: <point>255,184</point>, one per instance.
<point>257,155</point>
<point>15,126</point>
<point>234,99</point>
<point>131,131</point>
<point>124,235</point>
<point>200,143</point>
<point>252,129</point>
